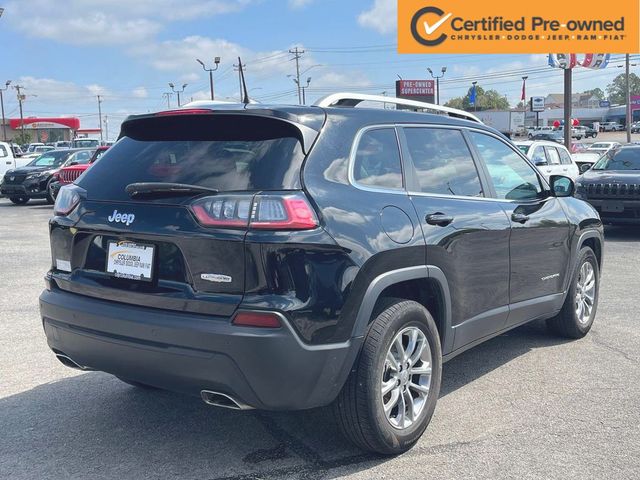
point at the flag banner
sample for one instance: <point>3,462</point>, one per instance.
<point>563,60</point>
<point>596,61</point>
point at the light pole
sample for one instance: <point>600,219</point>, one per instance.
<point>304,88</point>
<point>177,92</point>
<point>437,77</point>
<point>216,62</point>
<point>6,87</point>
<point>475,96</point>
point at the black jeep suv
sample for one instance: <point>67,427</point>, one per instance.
<point>612,186</point>
<point>293,257</point>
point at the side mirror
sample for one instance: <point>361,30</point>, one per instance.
<point>584,167</point>
<point>541,163</point>
<point>73,163</point>
<point>562,186</point>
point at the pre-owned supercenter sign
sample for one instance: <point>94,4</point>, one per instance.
<point>496,26</point>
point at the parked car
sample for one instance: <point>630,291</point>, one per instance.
<point>590,132</point>
<point>32,180</point>
<point>552,136</point>
<point>550,158</point>
<point>585,160</point>
<point>9,159</point>
<point>534,130</point>
<point>85,143</point>
<point>31,148</point>
<point>36,151</point>
<point>576,132</point>
<point>73,170</point>
<point>611,127</point>
<point>274,257</point>
<point>635,127</point>
<point>577,147</point>
<point>62,144</point>
<point>603,147</point>
<point>612,186</point>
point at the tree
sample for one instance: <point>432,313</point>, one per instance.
<point>617,89</point>
<point>485,100</point>
<point>595,91</point>
<point>22,138</point>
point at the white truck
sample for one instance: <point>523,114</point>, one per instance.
<point>508,122</point>
<point>8,161</point>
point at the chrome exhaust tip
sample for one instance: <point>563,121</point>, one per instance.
<point>223,400</point>
<point>69,362</point>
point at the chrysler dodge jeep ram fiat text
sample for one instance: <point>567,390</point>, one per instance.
<point>284,258</point>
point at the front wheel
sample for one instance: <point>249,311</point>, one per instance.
<point>51,197</point>
<point>579,309</point>
<point>19,200</point>
<point>389,398</point>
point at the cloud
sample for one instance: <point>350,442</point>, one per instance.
<point>297,4</point>
<point>140,92</point>
<point>381,17</point>
<point>108,22</point>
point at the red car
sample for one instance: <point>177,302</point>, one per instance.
<point>69,174</point>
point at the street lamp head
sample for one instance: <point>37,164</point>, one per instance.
<point>524,78</point>
<point>444,69</point>
<point>184,86</point>
<point>1,11</point>
<point>216,60</point>
<point>8,83</point>
<point>429,70</point>
<point>171,85</point>
<point>308,80</point>
<point>200,62</point>
<point>474,83</point>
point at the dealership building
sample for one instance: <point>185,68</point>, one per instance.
<point>45,130</point>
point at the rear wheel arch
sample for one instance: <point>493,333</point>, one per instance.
<point>426,285</point>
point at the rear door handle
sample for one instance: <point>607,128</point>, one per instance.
<point>439,219</point>
<point>9,162</point>
<point>519,217</point>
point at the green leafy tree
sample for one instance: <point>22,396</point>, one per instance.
<point>598,92</point>
<point>22,138</point>
<point>485,100</point>
<point>617,89</point>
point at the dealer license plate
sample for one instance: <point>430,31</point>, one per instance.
<point>130,260</point>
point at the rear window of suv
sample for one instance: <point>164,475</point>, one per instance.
<point>226,158</point>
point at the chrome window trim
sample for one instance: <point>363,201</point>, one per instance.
<point>405,191</point>
<point>352,158</point>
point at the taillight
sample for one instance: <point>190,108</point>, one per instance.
<point>67,199</point>
<point>264,211</point>
<point>184,111</point>
<point>257,319</point>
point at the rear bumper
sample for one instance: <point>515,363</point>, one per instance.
<point>263,368</point>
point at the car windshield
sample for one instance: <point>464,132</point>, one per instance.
<point>623,159</point>
<point>50,159</point>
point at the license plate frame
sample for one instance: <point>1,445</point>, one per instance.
<point>146,254</point>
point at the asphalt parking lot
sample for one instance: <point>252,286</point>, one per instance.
<point>523,405</point>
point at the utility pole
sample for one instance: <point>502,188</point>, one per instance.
<point>567,107</point>
<point>100,117</point>
<point>297,53</point>
<point>20,100</point>
<point>4,127</point>
<point>237,68</point>
<point>177,92</point>
<point>437,77</point>
<point>628,98</point>
<point>168,95</point>
<point>216,62</point>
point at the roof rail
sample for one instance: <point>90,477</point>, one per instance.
<point>345,99</point>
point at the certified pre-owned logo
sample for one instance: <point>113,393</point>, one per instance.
<point>423,31</point>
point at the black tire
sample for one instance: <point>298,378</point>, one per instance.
<point>133,383</point>
<point>566,323</point>
<point>359,406</point>
<point>51,199</point>
<point>19,200</point>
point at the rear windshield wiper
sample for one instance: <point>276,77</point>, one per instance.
<point>160,189</point>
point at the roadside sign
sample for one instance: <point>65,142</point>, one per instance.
<point>537,104</point>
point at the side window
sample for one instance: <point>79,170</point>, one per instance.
<point>513,178</point>
<point>565,158</point>
<point>377,160</point>
<point>442,162</point>
<point>3,151</point>
<point>538,156</point>
<point>552,155</point>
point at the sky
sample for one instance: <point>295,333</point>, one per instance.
<point>127,51</point>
